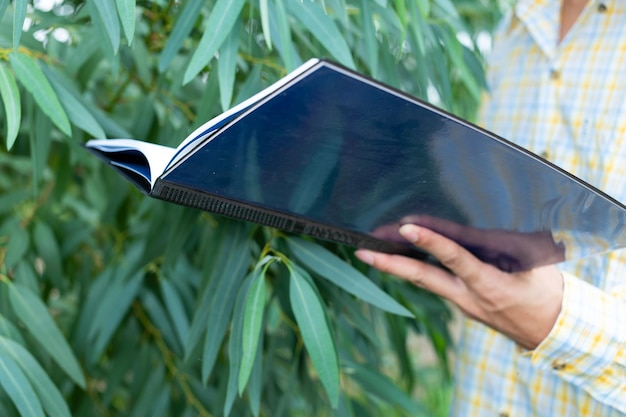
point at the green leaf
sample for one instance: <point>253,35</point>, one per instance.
<point>318,340</point>
<point>337,271</point>
<point>322,27</point>
<point>222,19</point>
<point>149,392</point>
<point>36,318</point>
<point>16,385</point>
<point>73,104</point>
<point>51,398</point>
<point>235,345</point>
<point>265,22</point>
<point>40,141</point>
<point>3,7</point>
<point>253,318</point>
<point>18,246</point>
<point>12,105</point>
<point>182,28</point>
<point>19,16</point>
<point>222,305</point>
<point>8,330</point>
<point>160,319</point>
<point>32,78</point>
<point>114,305</point>
<point>126,12</point>
<point>255,384</point>
<point>381,386</point>
<point>231,258</point>
<point>227,67</point>
<point>369,35</point>
<point>106,12</point>
<point>48,249</point>
<point>401,13</point>
<point>176,310</point>
<point>284,44</point>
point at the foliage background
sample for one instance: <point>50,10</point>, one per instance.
<point>114,304</point>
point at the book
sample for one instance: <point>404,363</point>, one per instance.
<point>336,155</point>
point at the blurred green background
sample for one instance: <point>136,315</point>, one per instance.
<point>114,304</point>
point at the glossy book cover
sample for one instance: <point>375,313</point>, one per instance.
<point>338,156</point>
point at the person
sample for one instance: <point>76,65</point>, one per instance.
<point>550,341</point>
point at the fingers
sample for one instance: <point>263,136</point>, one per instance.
<point>423,275</point>
<point>451,255</point>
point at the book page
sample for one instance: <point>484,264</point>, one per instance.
<point>156,156</point>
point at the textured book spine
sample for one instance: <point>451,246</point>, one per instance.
<point>214,204</point>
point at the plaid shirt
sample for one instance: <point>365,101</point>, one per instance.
<point>567,102</point>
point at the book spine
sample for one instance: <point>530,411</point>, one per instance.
<point>197,199</point>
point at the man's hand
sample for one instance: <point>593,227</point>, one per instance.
<point>523,306</point>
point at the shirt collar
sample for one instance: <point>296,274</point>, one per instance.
<point>541,18</point>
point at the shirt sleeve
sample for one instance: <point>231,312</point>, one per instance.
<point>587,346</point>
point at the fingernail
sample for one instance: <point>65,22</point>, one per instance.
<point>365,256</point>
<point>409,232</point>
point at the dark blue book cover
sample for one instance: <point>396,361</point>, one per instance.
<point>336,155</point>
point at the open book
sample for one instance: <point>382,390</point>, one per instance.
<point>338,156</point>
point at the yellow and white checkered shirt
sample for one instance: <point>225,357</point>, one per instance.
<point>567,102</point>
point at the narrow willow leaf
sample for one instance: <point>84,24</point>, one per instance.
<point>29,74</point>
<point>8,330</point>
<point>265,22</point>
<point>126,12</point>
<point>322,27</point>
<point>161,320</point>
<point>18,245</point>
<point>3,7</point>
<point>402,15</point>
<point>338,8</point>
<point>17,387</point>
<point>74,105</point>
<point>382,387</point>
<point>113,307</point>
<point>36,318</point>
<point>222,19</point>
<point>25,274</point>
<point>108,16</point>
<point>222,306</point>
<point>19,16</point>
<point>51,398</point>
<point>227,67</point>
<point>230,240</point>
<point>424,7</point>
<point>10,96</point>
<point>48,250</point>
<point>284,43</point>
<point>252,321</point>
<point>318,340</point>
<point>176,310</point>
<point>337,271</point>
<point>454,49</point>
<point>149,392</point>
<point>255,384</point>
<point>182,28</point>
<point>369,35</point>
<point>40,141</point>
<point>235,345</point>
<point>419,30</point>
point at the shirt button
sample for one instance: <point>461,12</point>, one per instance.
<point>555,74</point>
<point>545,155</point>
<point>503,414</point>
<point>558,365</point>
<point>602,8</point>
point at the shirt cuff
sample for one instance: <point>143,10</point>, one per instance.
<point>587,341</point>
